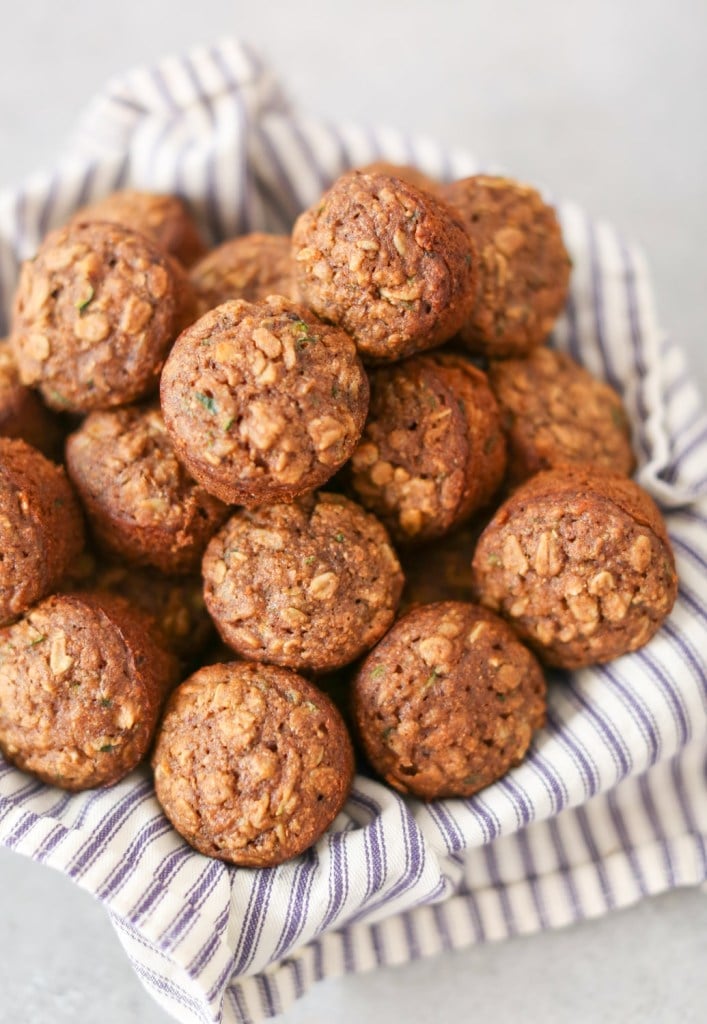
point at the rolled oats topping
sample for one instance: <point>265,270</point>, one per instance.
<point>448,701</point>
<point>262,401</point>
<point>250,267</point>
<point>579,562</point>
<point>432,451</point>
<point>252,763</point>
<point>41,527</point>
<point>388,262</point>
<point>555,412</point>
<point>82,680</point>
<point>523,266</point>
<point>141,503</point>
<point>95,314</point>
<point>311,585</point>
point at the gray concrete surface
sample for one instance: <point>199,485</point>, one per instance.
<point>605,103</point>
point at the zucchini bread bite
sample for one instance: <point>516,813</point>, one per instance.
<point>555,412</point>
<point>432,450</point>
<point>579,561</point>
<point>262,401</point>
<point>163,218</point>
<point>388,262</point>
<point>82,681</point>
<point>250,267</point>
<point>140,502</point>
<point>95,314</point>
<point>22,412</point>
<point>311,585</point>
<point>523,266</point>
<point>448,701</point>
<point>41,527</point>
<point>252,763</point>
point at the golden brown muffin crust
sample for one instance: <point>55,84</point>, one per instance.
<point>22,413</point>
<point>311,585</point>
<point>448,701</point>
<point>140,502</point>
<point>41,527</point>
<point>252,763</point>
<point>163,218</point>
<point>405,172</point>
<point>250,267</point>
<point>432,450</point>
<point>176,603</point>
<point>579,561</point>
<point>82,680</point>
<point>262,401</point>
<point>389,263</point>
<point>555,412</point>
<point>95,314</point>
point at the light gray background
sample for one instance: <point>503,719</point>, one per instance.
<point>602,102</point>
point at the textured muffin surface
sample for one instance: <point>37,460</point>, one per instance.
<point>252,763</point>
<point>448,701</point>
<point>262,401</point>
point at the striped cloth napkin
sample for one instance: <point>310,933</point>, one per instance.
<point>611,803</point>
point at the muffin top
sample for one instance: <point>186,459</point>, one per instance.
<point>391,264</point>
<point>263,401</point>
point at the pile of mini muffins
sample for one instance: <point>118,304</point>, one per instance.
<point>365,469</point>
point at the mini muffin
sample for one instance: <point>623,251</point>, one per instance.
<point>311,585</point>
<point>432,450</point>
<point>555,412</point>
<point>140,502</point>
<point>523,266</point>
<point>404,172</point>
<point>41,527</point>
<point>251,268</point>
<point>95,314</point>
<point>262,401</point>
<point>448,701</point>
<point>440,570</point>
<point>579,561</point>
<point>176,604</point>
<point>388,262</point>
<point>163,218</point>
<point>22,413</point>
<point>252,763</point>
<point>82,681</point>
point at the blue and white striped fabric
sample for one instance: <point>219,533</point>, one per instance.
<point>610,805</point>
